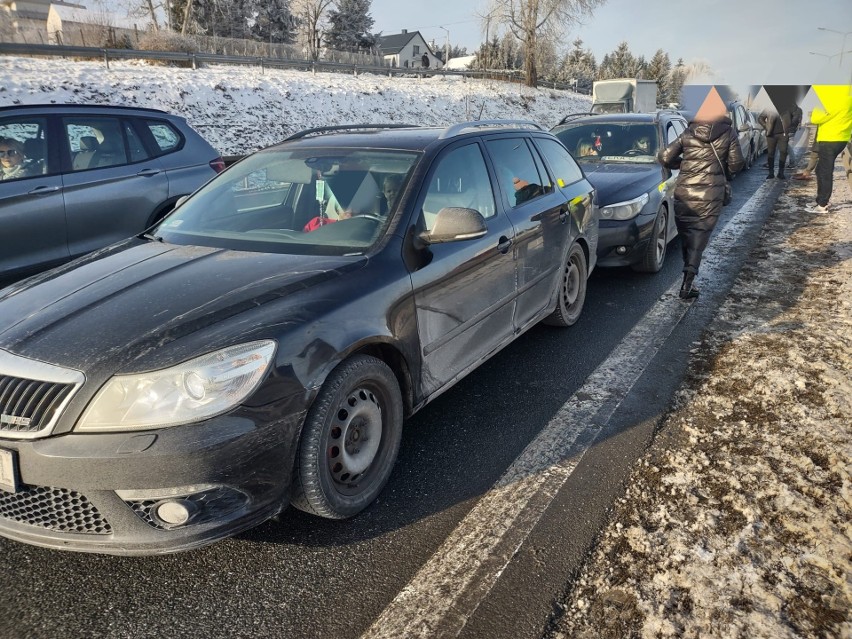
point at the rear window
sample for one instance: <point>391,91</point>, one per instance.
<point>166,137</point>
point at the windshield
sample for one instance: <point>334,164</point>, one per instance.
<point>610,141</point>
<point>308,201</point>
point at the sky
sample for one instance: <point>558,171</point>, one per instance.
<point>745,43</point>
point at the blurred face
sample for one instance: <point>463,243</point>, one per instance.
<point>390,189</point>
<point>10,156</point>
<point>643,144</point>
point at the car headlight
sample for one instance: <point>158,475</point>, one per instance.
<point>624,210</point>
<point>198,389</point>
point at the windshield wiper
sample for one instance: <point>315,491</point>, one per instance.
<point>151,236</point>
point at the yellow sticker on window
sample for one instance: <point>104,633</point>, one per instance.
<point>560,182</point>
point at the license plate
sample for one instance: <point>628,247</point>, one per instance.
<point>8,472</point>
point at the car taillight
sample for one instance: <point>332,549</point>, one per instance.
<point>217,165</point>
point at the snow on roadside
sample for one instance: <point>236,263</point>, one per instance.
<point>737,523</point>
<point>242,109</point>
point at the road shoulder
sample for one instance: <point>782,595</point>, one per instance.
<point>736,521</point>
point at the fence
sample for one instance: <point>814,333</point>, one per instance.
<point>199,58</point>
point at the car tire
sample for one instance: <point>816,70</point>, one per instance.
<point>570,289</point>
<point>655,253</point>
<point>350,440</point>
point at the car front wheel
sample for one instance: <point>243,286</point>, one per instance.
<point>350,440</point>
<point>655,253</point>
<point>571,289</point>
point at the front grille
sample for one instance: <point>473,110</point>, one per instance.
<point>56,509</point>
<point>33,395</point>
<point>28,406</point>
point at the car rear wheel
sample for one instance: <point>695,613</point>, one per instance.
<point>571,289</point>
<point>350,440</point>
<point>655,252</point>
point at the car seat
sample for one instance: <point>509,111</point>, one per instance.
<point>83,158</point>
<point>34,150</point>
<point>109,153</point>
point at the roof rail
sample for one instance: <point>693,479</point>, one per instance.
<point>346,127</point>
<point>456,129</point>
<point>572,116</point>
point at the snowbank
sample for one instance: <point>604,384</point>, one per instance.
<point>242,109</point>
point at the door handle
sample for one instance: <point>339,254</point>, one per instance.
<point>43,190</point>
<point>148,172</point>
<point>504,244</point>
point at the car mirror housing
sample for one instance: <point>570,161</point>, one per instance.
<point>454,224</point>
<point>745,127</point>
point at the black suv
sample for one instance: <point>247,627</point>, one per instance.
<point>618,153</point>
<point>262,345</point>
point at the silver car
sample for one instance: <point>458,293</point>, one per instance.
<point>75,178</point>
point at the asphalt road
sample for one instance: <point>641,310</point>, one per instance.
<point>301,576</point>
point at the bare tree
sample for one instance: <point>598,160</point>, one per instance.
<point>310,16</point>
<point>534,21</point>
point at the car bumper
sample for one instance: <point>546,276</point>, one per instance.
<point>102,492</point>
<point>623,242</point>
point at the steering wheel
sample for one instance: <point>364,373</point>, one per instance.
<point>630,152</point>
<point>370,216</point>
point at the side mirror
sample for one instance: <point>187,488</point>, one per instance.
<point>454,224</point>
<point>744,128</point>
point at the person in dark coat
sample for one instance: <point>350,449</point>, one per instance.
<point>779,128</point>
<point>700,187</point>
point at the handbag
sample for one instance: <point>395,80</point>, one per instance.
<point>729,192</point>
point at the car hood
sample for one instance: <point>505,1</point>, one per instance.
<point>111,308</point>
<point>621,181</point>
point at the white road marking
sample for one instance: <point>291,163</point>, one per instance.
<point>446,591</point>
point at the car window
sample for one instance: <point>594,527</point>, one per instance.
<point>671,133</point>
<point>165,135</point>
<point>460,179</point>
<point>134,144</point>
<point>23,148</point>
<point>309,202</point>
<point>95,142</point>
<point>610,140</point>
<point>566,170</point>
<point>516,171</point>
<point>679,126</point>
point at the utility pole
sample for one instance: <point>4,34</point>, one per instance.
<point>447,47</point>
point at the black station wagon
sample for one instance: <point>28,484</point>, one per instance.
<point>263,344</point>
<point>635,193</point>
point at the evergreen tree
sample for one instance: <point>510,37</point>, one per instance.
<point>676,79</point>
<point>621,63</point>
<point>488,55</point>
<point>658,70</point>
<point>579,66</point>
<point>272,21</point>
<point>349,26</point>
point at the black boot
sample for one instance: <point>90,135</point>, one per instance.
<point>687,290</point>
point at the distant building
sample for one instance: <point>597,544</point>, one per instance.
<point>75,25</point>
<point>29,14</point>
<point>462,62</point>
<point>408,51</point>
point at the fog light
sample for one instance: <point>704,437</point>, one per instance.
<point>175,512</point>
<point>621,250</point>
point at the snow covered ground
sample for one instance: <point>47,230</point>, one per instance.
<point>738,521</point>
<point>242,109</point>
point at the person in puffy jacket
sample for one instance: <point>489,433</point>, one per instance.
<point>707,153</point>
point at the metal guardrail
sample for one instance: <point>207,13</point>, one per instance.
<point>196,59</point>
